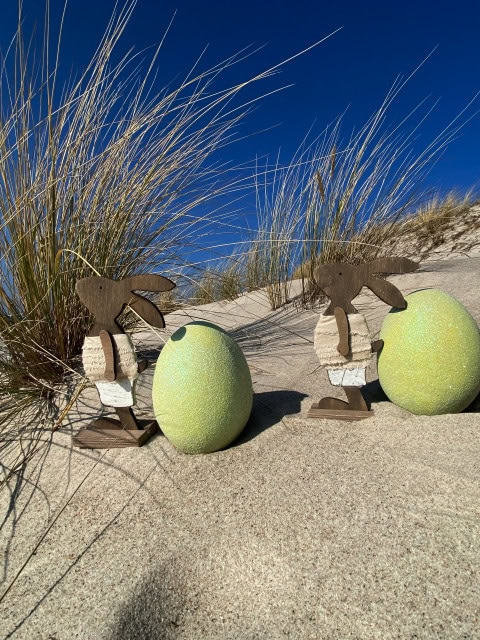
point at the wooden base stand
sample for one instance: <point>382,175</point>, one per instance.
<point>108,433</point>
<point>335,409</point>
<point>337,414</point>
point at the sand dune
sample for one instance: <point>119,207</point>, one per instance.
<point>303,529</point>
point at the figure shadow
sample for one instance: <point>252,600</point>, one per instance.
<point>154,610</point>
<point>473,407</point>
<point>269,408</point>
<point>162,604</point>
<point>149,355</point>
<point>373,393</point>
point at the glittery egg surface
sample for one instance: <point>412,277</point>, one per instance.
<point>430,361</point>
<point>202,389</point>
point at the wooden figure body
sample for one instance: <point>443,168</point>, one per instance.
<point>342,338</point>
<point>109,357</point>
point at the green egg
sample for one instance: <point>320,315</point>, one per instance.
<point>202,389</point>
<point>430,361</point>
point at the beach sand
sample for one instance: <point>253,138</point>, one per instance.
<point>304,528</point>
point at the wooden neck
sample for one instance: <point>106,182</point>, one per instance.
<point>347,307</point>
<point>112,328</point>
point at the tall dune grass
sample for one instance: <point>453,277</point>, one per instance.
<point>441,224</point>
<point>343,201</point>
<point>90,181</point>
<point>97,176</point>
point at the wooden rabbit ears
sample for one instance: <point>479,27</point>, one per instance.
<point>342,282</point>
<point>105,298</point>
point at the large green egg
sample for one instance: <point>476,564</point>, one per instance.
<point>202,389</point>
<point>430,361</point>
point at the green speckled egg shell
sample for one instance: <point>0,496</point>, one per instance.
<point>202,389</point>
<point>430,361</point>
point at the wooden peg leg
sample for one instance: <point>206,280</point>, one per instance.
<point>142,365</point>
<point>355,399</point>
<point>127,418</point>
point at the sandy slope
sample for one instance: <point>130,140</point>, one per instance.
<point>303,529</point>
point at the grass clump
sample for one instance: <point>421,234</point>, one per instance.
<point>351,201</point>
<point>281,194</point>
<point>98,176</point>
<point>102,179</point>
<point>439,220</point>
<point>226,282</point>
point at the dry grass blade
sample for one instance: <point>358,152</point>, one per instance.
<point>340,201</point>
<point>101,174</point>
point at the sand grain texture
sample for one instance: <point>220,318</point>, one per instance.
<point>304,529</point>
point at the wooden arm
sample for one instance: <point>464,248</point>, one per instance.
<point>343,330</point>
<point>377,346</point>
<point>142,365</point>
<point>109,352</point>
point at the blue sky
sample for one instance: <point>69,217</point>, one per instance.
<point>354,68</point>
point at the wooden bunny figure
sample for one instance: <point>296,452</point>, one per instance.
<point>342,338</point>
<point>109,357</point>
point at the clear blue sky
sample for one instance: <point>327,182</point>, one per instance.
<point>379,40</point>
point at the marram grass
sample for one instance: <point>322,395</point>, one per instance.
<point>103,175</point>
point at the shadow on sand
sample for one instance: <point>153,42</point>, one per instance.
<point>154,609</point>
<point>373,393</point>
<point>269,408</point>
